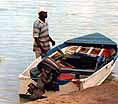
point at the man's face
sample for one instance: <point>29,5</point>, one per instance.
<point>43,14</point>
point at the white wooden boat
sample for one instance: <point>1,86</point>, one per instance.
<point>89,59</point>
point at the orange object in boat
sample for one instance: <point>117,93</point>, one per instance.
<point>106,53</point>
<point>65,76</point>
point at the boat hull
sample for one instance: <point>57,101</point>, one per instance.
<point>98,77</point>
<point>93,80</point>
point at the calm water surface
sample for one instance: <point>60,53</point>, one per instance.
<point>67,19</point>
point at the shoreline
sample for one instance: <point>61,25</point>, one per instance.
<point>106,93</point>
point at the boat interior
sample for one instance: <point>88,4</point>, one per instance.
<point>80,57</point>
<point>80,60</point>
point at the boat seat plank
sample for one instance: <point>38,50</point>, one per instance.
<point>101,52</point>
<point>90,50</point>
<point>78,71</point>
<point>78,49</point>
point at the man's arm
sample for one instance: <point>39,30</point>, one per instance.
<point>53,42</point>
<point>37,42</point>
<point>36,32</point>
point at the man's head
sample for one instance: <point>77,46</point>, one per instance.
<point>42,13</point>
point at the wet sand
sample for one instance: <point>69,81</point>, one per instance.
<point>106,93</point>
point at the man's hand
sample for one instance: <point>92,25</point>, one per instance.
<point>53,43</point>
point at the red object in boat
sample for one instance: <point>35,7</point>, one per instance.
<point>106,53</point>
<point>65,76</point>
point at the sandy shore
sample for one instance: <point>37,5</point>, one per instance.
<point>106,93</point>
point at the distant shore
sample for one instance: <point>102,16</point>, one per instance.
<point>106,93</point>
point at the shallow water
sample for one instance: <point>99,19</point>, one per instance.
<point>67,19</point>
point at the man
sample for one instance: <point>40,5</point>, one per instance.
<point>41,35</point>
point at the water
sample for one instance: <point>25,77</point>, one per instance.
<point>67,19</point>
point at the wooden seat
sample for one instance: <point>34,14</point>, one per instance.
<point>90,50</point>
<point>78,71</point>
<point>78,49</point>
<point>101,52</point>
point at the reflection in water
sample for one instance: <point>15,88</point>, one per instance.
<point>66,20</point>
